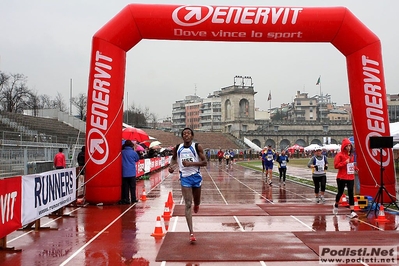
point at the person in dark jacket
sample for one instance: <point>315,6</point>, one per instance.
<point>81,160</point>
<point>282,160</point>
<point>319,165</point>
<point>129,159</point>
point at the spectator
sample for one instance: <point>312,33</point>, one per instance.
<point>81,160</point>
<point>129,159</point>
<point>59,160</point>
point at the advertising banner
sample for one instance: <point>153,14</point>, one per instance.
<point>140,168</point>
<point>10,205</point>
<point>47,192</point>
<point>335,25</point>
<point>147,165</point>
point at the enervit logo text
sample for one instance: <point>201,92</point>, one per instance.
<point>96,140</point>
<point>376,124</point>
<point>98,146</point>
<point>194,15</point>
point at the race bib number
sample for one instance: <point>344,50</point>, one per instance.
<point>186,157</point>
<point>284,163</point>
<point>187,160</point>
<point>350,168</point>
<point>320,164</point>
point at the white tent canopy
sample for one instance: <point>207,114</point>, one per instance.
<point>311,147</point>
<point>252,145</point>
<point>394,129</point>
<point>332,147</point>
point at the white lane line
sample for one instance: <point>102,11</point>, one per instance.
<point>292,216</point>
<point>253,190</point>
<point>239,224</point>
<point>217,188</point>
<point>371,225</point>
<point>48,223</point>
<point>175,218</point>
<point>225,201</point>
<point>95,237</point>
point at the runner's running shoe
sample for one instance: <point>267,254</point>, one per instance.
<point>196,208</point>
<point>353,215</point>
<point>192,238</point>
<point>322,199</point>
<point>335,209</point>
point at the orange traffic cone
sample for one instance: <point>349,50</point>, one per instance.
<point>356,207</point>
<point>170,201</point>
<point>158,231</point>
<point>143,195</point>
<point>343,201</point>
<point>166,213</point>
<point>381,215</point>
<point>166,222</point>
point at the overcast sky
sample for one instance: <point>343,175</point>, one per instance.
<point>50,43</point>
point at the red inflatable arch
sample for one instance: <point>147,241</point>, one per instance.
<point>135,22</point>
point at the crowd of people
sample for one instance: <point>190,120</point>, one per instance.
<point>146,152</point>
<point>227,155</point>
<point>344,162</point>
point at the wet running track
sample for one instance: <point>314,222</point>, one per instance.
<point>241,221</point>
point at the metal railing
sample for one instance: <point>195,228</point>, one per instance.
<point>24,157</point>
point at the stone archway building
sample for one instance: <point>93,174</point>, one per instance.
<point>238,109</point>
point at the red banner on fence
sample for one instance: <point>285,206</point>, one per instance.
<point>10,205</point>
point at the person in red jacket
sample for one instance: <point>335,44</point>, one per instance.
<point>59,160</point>
<point>220,156</point>
<point>345,163</point>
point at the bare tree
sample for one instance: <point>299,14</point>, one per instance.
<point>14,94</point>
<point>34,103</point>
<point>59,103</point>
<point>139,118</point>
<point>151,118</point>
<point>80,102</point>
<point>4,79</point>
<point>45,101</point>
<point>134,116</point>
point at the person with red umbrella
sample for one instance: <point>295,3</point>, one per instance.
<point>134,134</point>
